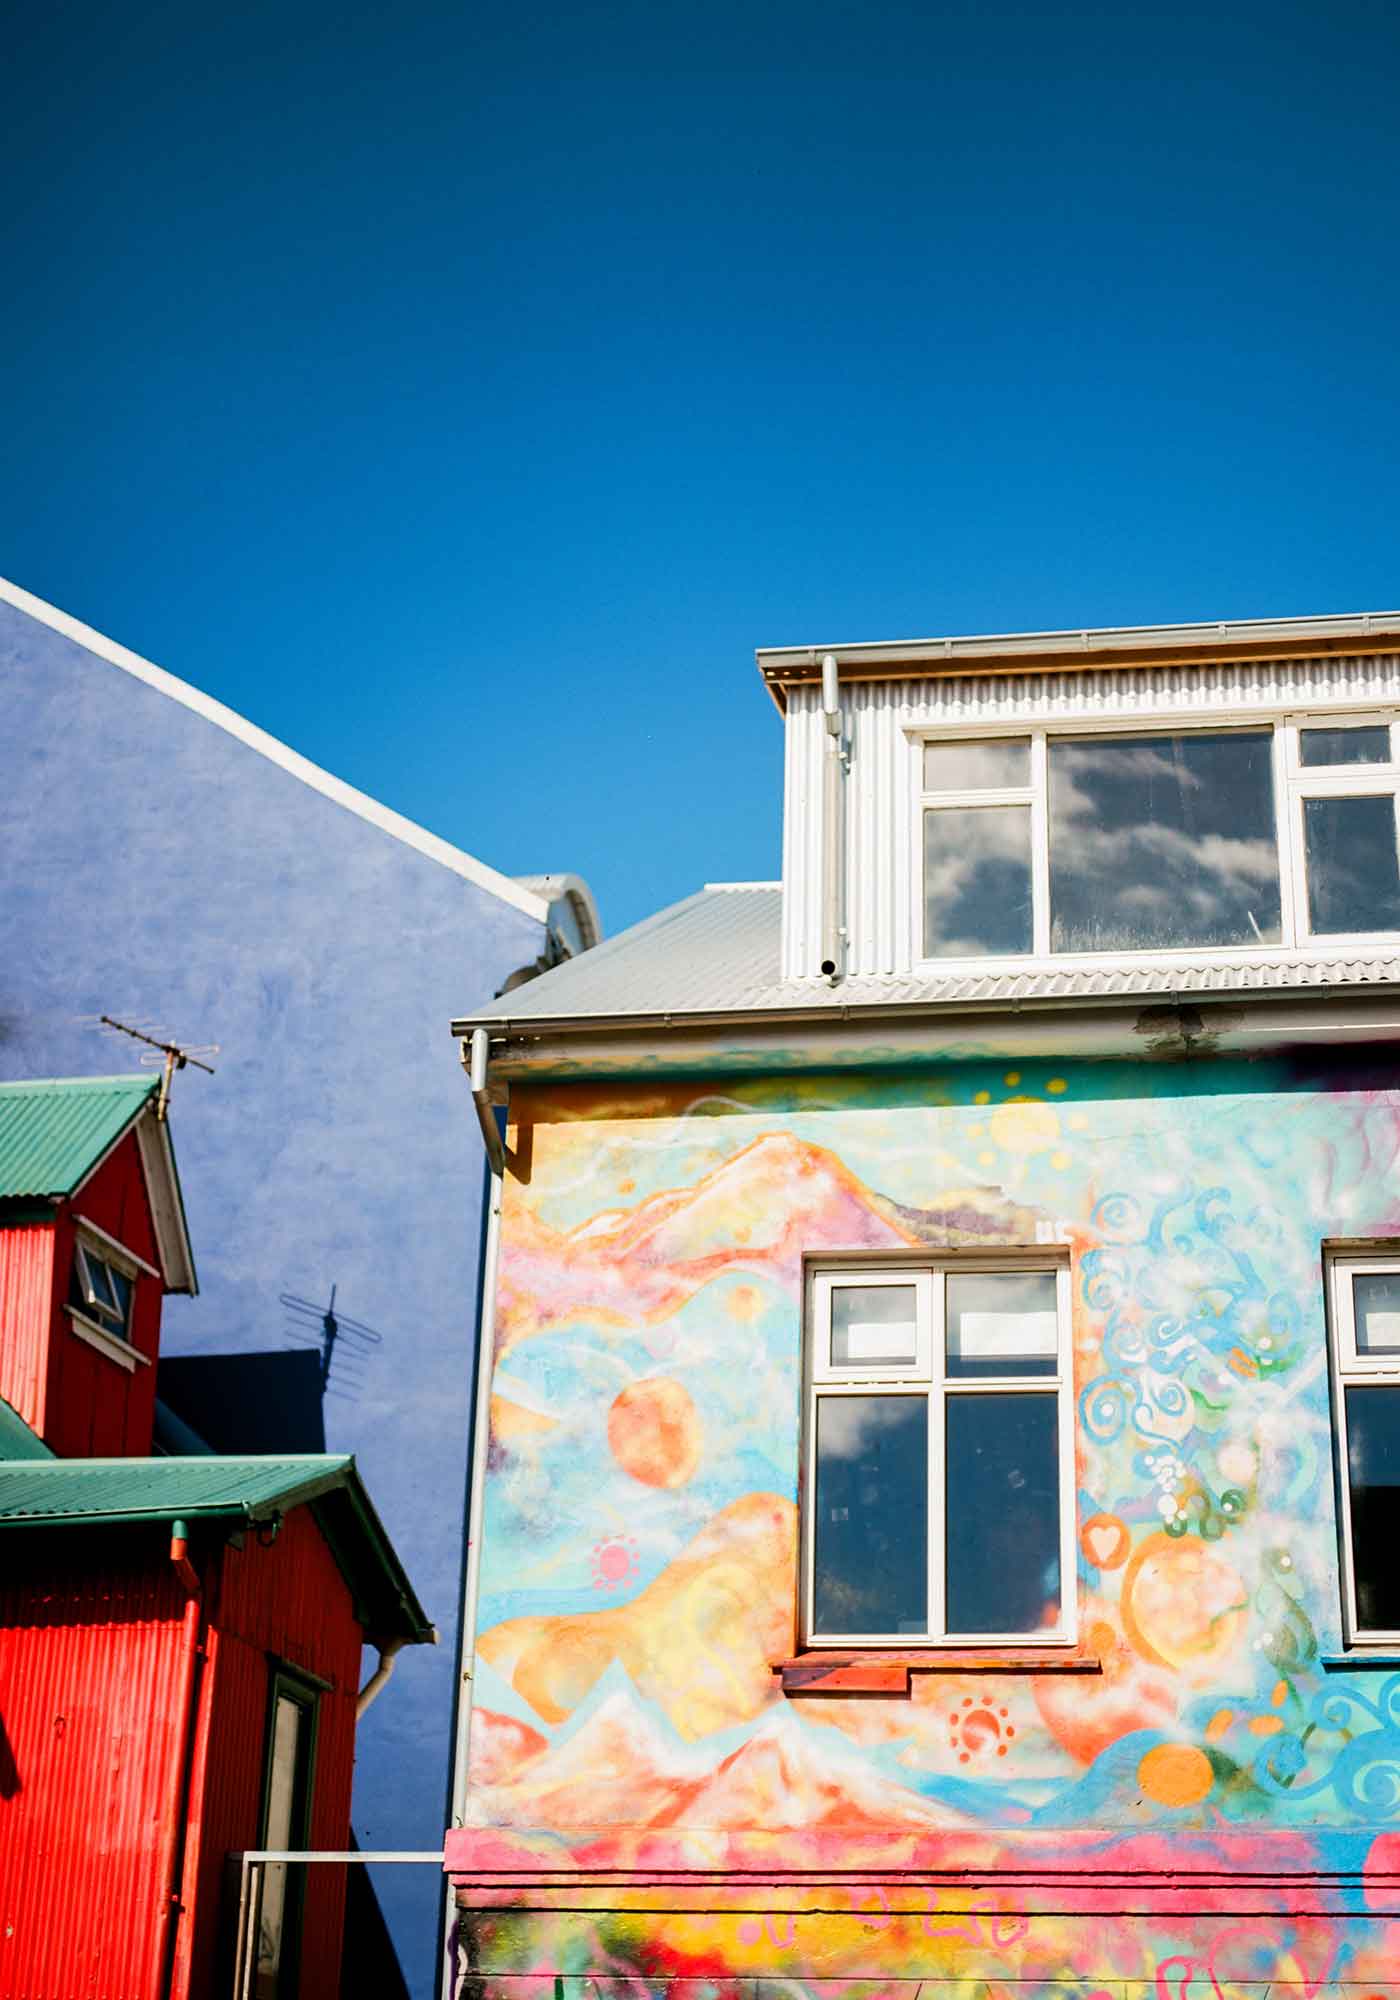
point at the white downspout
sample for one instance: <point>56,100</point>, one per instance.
<point>833,959</point>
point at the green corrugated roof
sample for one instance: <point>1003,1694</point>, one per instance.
<point>52,1132</point>
<point>93,1492</point>
<point>16,1438</point>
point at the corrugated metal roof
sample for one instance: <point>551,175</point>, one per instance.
<point>133,1489</point>
<point>68,1492</point>
<point>16,1438</point>
<point>52,1132</point>
<point>717,952</point>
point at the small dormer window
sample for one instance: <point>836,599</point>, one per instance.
<point>101,1290</point>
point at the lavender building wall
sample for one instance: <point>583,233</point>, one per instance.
<point>158,865</point>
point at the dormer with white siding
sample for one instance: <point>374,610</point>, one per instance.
<point>1069,809</point>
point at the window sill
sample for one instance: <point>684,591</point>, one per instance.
<point>1378,1659</point>
<point>888,1673</point>
<point>120,1351</point>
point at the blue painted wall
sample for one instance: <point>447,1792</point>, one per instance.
<point>155,866</point>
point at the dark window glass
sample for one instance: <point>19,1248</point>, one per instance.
<point>100,1290</point>
<point>1345,746</point>
<point>970,767</point>
<point>873,1325</point>
<point>1373,1448</point>
<point>1353,876</point>
<point>1002,1323</point>
<point>977,881</point>
<point>871,1563</point>
<point>1376,1310</point>
<point>1002,1531</point>
<point>1161,841</point>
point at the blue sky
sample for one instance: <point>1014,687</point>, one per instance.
<point>463,394</point>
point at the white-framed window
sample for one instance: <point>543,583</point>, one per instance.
<point>939,1454</point>
<point>102,1284</point>
<point>1364,1297</point>
<point>1252,835</point>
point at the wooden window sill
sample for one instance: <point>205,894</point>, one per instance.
<point>888,1673</point>
<point>120,1351</point>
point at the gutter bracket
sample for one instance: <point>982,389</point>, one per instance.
<point>476,1059</point>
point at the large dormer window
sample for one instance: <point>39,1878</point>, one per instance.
<point>1217,838</point>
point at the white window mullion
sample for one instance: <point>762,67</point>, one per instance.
<point>1040,842</point>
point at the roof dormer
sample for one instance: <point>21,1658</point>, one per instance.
<point>1220,799</point>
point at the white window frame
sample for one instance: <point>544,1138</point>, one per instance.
<point>1353,1370</point>
<point>1293,783</point>
<point>88,1322</point>
<point>927,1378</point>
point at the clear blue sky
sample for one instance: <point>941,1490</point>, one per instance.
<point>462,394</point>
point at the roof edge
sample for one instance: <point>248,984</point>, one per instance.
<point>1091,647</point>
<point>431,845</point>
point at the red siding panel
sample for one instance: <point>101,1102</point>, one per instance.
<point>92,1660</point>
<point>284,1602</point>
<point>98,1408</point>
<point>26,1287</point>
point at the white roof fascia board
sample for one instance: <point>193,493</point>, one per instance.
<point>1363,626</point>
<point>167,1208</point>
<point>276,752</point>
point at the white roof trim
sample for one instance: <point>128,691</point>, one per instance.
<point>167,1208</point>
<point>388,821</point>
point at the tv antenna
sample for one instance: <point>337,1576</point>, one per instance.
<point>168,1055</point>
<point>345,1343</point>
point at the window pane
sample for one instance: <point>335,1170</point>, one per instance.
<point>977,881</point>
<point>970,767</point>
<point>282,1779</point>
<point>1345,746</point>
<point>1003,1513</point>
<point>871,1569</point>
<point>1353,878</point>
<point>1161,841</point>
<point>100,1281</point>
<point>1002,1323</point>
<point>1373,1448</point>
<point>1376,1307</point>
<point>121,1295</point>
<point>873,1323</point>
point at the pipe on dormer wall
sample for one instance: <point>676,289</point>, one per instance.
<point>833,940</point>
<point>476,1061</point>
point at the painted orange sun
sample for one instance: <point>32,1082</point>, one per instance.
<point>655,1433</point>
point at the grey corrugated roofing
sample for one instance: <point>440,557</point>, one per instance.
<point>90,1492</point>
<point>717,953</point>
<point>52,1132</point>
<point>17,1440</point>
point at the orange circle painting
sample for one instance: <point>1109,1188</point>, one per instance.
<point>654,1431</point>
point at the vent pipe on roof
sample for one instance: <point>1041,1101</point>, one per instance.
<point>833,941</point>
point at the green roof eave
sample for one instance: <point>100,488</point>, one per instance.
<point>126,1492</point>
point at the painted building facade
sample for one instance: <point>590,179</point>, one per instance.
<point>844,1622</point>
<point>167,863</point>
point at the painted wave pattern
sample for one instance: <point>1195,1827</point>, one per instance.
<point>640,1540</point>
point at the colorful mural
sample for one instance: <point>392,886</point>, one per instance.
<point>1201,1806</point>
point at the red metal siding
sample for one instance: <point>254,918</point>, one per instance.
<point>92,1659</point>
<point>289,1602</point>
<point>99,1409</point>
<point>26,1288</point>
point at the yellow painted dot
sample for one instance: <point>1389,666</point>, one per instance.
<point>1057,1086</point>
<point>975,1131</point>
<point>986,1159</point>
<point>983,1097</point>
<point>1176,1774</point>
<point>1059,1161</point>
<point>1013,1077</point>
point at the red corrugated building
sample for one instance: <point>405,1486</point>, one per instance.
<point>180,1638</point>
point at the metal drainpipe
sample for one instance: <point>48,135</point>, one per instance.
<point>167,1936</point>
<point>476,1058</point>
<point>374,1686</point>
<point>476,1503</point>
<point>833,959</point>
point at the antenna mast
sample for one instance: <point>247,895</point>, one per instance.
<point>175,1058</point>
